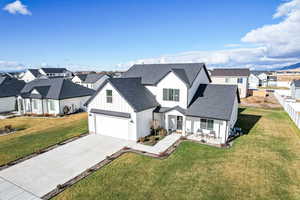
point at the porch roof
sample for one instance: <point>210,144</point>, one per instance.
<point>213,101</point>
<point>167,109</point>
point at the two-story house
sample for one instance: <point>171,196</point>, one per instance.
<point>178,96</point>
<point>32,74</point>
<point>295,89</point>
<point>232,76</point>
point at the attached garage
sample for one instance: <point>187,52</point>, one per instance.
<point>113,124</point>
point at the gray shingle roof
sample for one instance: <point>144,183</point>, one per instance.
<point>10,86</point>
<point>230,72</point>
<point>55,89</point>
<point>35,72</point>
<point>213,101</point>
<point>92,78</point>
<point>111,113</point>
<point>82,77</point>
<point>151,74</point>
<point>133,91</point>
<point>54,70</point>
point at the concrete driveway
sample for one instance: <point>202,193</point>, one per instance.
<point>41,174</point>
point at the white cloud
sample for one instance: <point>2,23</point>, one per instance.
<point>17,7</point>
<point>10,66</point>
<point>274,45</point>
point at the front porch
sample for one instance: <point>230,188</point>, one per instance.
<point>195,128</point>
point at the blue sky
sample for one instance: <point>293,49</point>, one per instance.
<point>105,34</point>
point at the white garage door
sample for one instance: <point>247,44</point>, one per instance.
<point>112,126</point>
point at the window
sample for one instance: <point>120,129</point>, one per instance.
<point>52,105</point>
<point>109,96</point>
<point>34,102</point>
<point>240,80</point>
<point>170,94</point>
<point>207,124</point>
<point>226,80</point>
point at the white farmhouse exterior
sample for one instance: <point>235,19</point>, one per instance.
<point>52,96</point>
<point>233,76</point>
<point>177,96</point>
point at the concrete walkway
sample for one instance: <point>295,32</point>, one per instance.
<point>42,174</point>
<point>158,148</point>
<point>10,191</point>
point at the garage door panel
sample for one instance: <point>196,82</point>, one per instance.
<point>112,126</point>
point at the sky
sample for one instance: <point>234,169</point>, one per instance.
<point>114,34</point>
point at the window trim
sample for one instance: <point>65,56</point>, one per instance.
<point>240,80</point>
<point>109,97</point>
<point>171,94</point>
<point>206,122</point>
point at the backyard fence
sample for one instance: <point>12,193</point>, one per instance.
<point>289,105</point>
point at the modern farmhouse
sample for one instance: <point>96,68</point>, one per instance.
<point>177,96</point>
<point>52,97</point>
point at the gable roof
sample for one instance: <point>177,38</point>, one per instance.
<point>213,101</point>
<point>10,86</point>
<point>35,72</point>
<point>230,72</point>
<point>58,88</point>
<point>151,74</point>
<point>257,72</point>
<point>82,77</point>
<point>92,78</point>
<point>54,70</point>
<point>132,90</point>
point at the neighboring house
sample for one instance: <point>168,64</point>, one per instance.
<point>92,81</point>
<point>177,96</point>
<point>254,81</point>
<point>9,89</point>
<point>232,76</point>
<point>272,81</point>
<point>295,89</point>
<point>53,96</point>
<point>31,74</point>
<point>55,72</point>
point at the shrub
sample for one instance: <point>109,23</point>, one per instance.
<point>142,139</point>
<point>8,128</point>
<point>152,139</point>
<point>162,132</point>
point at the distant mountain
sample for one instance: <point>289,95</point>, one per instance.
<point>294,66</point>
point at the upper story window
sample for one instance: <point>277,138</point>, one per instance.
<point>240,80</point>
<point>170,94</point>
<point>207,124</point>
<point>109,97</point>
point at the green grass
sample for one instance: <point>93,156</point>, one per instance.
<point>17,145</point>
<point>261,165</point>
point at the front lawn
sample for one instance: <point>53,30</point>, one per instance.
<point>261,165</point>
<point>38,133</point>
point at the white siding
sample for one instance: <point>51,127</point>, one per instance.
<point>200,79</point>
<point>76,80</point>
<point>7,104</point>
<point>143,121</point>
<point>234,114</point>
<point>119,104</point>
<point>253,81</point>
<point>173,82</point>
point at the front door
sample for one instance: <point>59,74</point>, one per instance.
<point>179,122</point>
